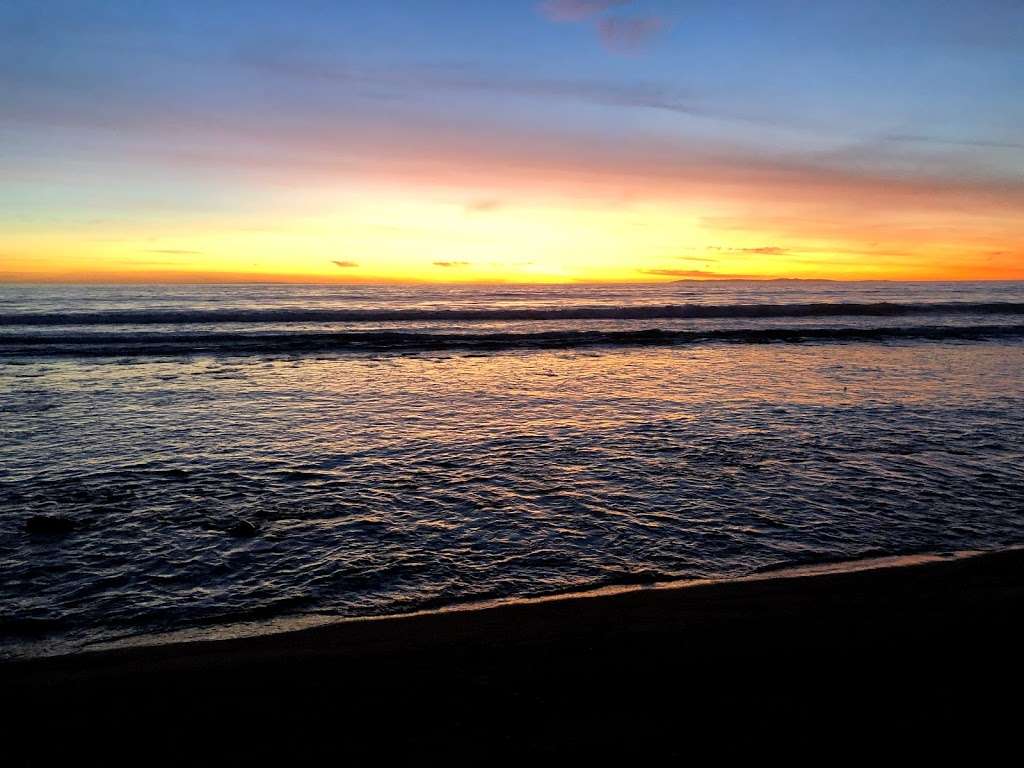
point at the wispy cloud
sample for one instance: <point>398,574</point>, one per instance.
<point>451,264</point>
<point>914,138</point>
<point>636,94</point>
<point>577,10</point>
<point>765,250</point>
<point>297,65</point>
<point>629,34</point>
<point>483,205</point>
<point>345,264</point>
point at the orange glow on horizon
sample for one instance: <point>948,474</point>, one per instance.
<point>599,226</point>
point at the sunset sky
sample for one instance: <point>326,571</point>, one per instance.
<point>513,140</point>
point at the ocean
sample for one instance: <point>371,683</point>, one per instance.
<point>226,459</point>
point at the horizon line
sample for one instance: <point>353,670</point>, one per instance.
<point>413,282</point>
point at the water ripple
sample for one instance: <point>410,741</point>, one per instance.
<point>535,473</point>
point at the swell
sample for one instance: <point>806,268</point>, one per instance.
<point>157,344</point>
<point>631,312</point>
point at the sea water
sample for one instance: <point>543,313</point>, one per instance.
<point>269,453</point>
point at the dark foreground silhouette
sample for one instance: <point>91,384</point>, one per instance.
<point>926,658</point>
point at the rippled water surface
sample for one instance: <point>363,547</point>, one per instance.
<point>380,480</point>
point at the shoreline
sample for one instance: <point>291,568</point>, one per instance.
<point>934,641</point>
<point>286,625</point>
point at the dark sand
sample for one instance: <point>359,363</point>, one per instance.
<point>927,654</point>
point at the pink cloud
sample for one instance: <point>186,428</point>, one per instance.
<point>577,10</point>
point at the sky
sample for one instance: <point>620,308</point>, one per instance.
<point>512,140</point>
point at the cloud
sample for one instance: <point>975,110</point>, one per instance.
<point>344,264</point>
<point>912,138</point>
<point>620,34</point>
<point>698,274</point>
<point>451,263</point>
<point>636,94</point>
<point>766,250</point>
<point>297,65</point>
<point>577,10</point>
<point>770,250</point>
<point>483,205</point>
<point>175,252</point>
<point>624,34</point>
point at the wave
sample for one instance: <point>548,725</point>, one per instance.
<point>163,344</point>
<point>596,312</point>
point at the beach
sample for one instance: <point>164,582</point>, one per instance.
<point>898,649</point>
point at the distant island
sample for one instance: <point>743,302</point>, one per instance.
<point>756,280</point>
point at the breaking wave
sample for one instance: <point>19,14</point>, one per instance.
<point>496,314</point>
<point>183,343</point>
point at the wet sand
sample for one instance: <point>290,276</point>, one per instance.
<point>926,653</point>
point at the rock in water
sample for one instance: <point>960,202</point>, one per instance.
<point>53,525</point>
